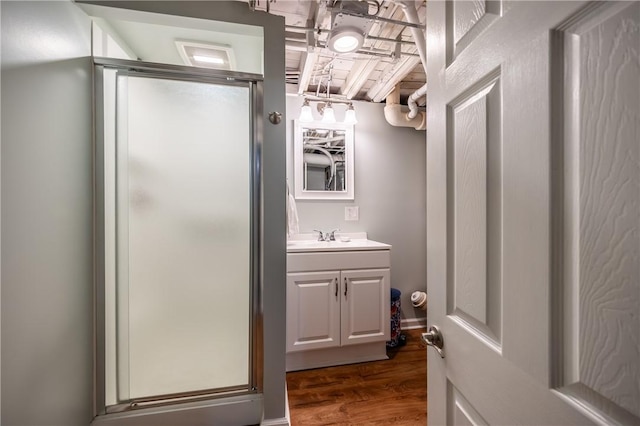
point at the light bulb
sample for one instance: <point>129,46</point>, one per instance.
<point>346,43</point>
<point>350,115</point>
<point>345,39</point>
<point>208,59</point>
<point>306,116</point>
<point>328,115</point>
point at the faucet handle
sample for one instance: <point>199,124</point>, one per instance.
<point>321,235</point>
<point>332,236</point>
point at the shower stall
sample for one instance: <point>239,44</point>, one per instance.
<point>178,202</point>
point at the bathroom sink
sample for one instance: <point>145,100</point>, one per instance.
<point>344,242</point>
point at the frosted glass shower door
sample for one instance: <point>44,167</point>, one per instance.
<point>183,185</point>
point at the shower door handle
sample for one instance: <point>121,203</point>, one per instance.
<point>275,117</point>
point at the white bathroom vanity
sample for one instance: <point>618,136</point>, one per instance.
<point>338,300</point>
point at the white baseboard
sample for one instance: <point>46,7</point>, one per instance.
<point>411,323</point>
<point>287,415</point>
<point>283,421</point>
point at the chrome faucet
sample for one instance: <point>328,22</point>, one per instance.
<point>326,236</point>
<point>321,236</point>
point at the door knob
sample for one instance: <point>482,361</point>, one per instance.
<point>434,339</point>
<point>275,117</point>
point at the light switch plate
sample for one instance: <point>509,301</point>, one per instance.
<point>351,213</point>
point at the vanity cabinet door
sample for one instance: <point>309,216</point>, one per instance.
<point>313,310</point>
<point>365,307</point>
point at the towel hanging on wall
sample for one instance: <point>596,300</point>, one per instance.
<point>292,214</point>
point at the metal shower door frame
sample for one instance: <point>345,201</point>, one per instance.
<point>254,82</point>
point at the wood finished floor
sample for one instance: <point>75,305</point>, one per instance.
<point>390,392</point>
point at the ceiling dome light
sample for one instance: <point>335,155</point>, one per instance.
<point>345,43</point>
<point>345,40</point>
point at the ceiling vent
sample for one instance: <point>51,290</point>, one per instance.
<point>207,55</point>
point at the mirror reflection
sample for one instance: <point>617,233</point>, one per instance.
<point>323,160</point>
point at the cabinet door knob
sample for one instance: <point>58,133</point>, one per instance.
<point>337,280</point>
<point>345,286</point>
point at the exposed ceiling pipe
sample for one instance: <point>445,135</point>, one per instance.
<point>332,162</point>
<point>413,100</point>
<point>362,70</point>
<point>299,30</point>
<point>397,117</point>
<point>325,152</point>
<point>404,66</point>
<point>381,19</point>
<point>317,159</point>
<point>409,9</point>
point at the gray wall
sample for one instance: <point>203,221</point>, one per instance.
<point>47,320</point>
<point>390,189</point>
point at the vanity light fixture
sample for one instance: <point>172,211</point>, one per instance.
<point>325,105</point>
<point>327,110</point>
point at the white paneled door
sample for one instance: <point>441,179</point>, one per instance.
<point>533,212</point>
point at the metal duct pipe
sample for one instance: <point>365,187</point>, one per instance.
<point>322,159</point>
<point>317,159</point>
<point>332,162</point>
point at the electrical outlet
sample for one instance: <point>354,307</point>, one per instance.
<point>351,213</point>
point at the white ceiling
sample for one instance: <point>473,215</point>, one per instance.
<point>355,75</point>
<point>156,43</point>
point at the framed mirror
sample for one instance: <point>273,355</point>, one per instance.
<point>323,161</point>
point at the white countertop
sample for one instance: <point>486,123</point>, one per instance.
<point>354,241</point>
